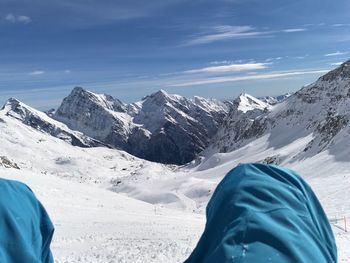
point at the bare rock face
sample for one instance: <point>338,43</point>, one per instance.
<point>161,127</point>
<point>243,122</point>
<point>5,162</point>
<point>340,73</point>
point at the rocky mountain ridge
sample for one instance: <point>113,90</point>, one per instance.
<point>161,127</point>
<point>319,111</point>
<point>40,121</point>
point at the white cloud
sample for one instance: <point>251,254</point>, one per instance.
<point>248,77</point>
<point>340,25</point>
<point>293,30</point>
<point>18,19</point>
<point>301,57</point>
<point>221,62</point>
<point>67,71</point>
<point>338,53</point>
<point>11,18</point>
<point>229,68</point>
<point>37,72</point>
<point>336,63</point>
<point>224,32</point>
<point>24,19</point>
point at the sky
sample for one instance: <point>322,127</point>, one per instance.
<point>129,49</point>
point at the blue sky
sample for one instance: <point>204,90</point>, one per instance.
<point>202,47</point>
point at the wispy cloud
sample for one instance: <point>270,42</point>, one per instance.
<point>273,59</point>
<point>340,25</point>
<point>248,77</point>
<point>336,63</point>
<point>293,30</point>
<point>17,19</point>
<point>229,68</point>
<point>224,32</point>
<point>219,33</point>
<point>301,57</point>
<point>37,72</point>
<point>222,62</point>
<point>338,53</point>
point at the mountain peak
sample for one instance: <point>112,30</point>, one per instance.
<point>11,104</point>
<point>243,94</point>
<point>246,102</point>
<point>78,89</point>
<point>12,101</point>
<point>81,92</point>
<point>160,93</point>
<point>159,97</point>
<point>343,72</point>
<point>17,109</point>
<point>83,96</point>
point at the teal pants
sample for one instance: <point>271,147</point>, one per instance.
<point>25,228</point>
<point>262,213</point>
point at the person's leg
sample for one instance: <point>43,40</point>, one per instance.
<point>25,227</point>
<point>263,213</point>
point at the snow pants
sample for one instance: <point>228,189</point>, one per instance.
<point>263,213</point>
<point>25,227</point>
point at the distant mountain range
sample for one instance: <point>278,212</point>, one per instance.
<point>308,131</point>
<point>161,127</point>
<point>172,129</point>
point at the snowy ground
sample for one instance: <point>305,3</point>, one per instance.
<point>95,224</point>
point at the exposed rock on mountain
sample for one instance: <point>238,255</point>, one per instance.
<point>162,127</point>
<point>240,123</point>
<point>173,129</point>
<point>44,123</point>
<point>5,162</point>
<point>273,100</point>
<point>318,111</point>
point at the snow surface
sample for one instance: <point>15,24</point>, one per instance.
<point>94,224</point>
<point>90,193</point>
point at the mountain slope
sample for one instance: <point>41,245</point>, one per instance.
<point>318,111</point>
<point>40,121</point>
<point>244,111</point>
<point>273,100</point>
<point>92,223</point>
<point>96,225</point>
<point>162,127</point>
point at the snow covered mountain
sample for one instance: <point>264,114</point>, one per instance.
<point>92,223</point>
<point>44,123</point>
<point>241,116</point>
<point>161,127</point>
<point>96,222</point>
<point>273,100</point>
<point>318,114</point>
